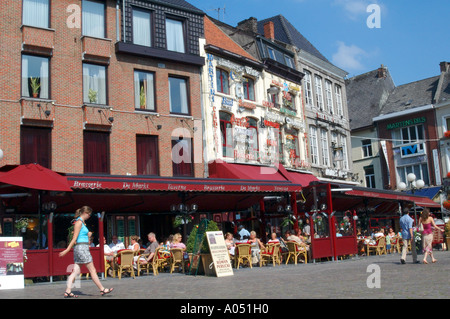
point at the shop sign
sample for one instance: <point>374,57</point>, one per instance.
<point>243,121</point>
<point>212,94</point>
<point>237,70</point>
<point>227,103</point>
<point>247,105</point>
<point>335,173</point>
<point>294,123</point>
<point>268,104</point>
<point>287,111</point>
<point>11,263</point>
<point>219,253</point>
<point>414,121</point>
<point>412,150</point>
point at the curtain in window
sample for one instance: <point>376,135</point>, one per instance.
<point>147,155</point>
<point>94,84</point>
<point>93,21</point>
<point>35,146</point>
<point>175,35</point>
<point>141,28</point>
<point>178,96</point>
<point>35,69</point>
<point>182,164</point>
<point>96,152</point>
<point>144,96</point>
<point>36,13</point>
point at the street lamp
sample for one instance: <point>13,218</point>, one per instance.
<point>185,210</point>
<point>413,186</point>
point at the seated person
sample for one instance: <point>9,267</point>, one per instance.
<point>116,244</point>
<point>176,242</point>
<point>151,249</point>
<point>229,241</point>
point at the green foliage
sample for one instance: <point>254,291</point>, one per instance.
<point>35,84</point>
<point>92,95</point>
<point>447,229</point>
<point>212,226</point>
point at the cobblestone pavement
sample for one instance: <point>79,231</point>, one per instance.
<point>345,279</point>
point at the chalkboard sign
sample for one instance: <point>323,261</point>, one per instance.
<point>196,256</point>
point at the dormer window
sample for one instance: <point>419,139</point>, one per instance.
<point>175,35</point>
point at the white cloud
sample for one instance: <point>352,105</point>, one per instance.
<point>349,57</point>
<point>355,8</point>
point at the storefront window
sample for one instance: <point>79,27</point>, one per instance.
<point>321,226</point>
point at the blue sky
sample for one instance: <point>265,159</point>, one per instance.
<point>412,40</point>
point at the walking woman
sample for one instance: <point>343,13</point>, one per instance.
<point>427,221</point>
<point>81,252</point>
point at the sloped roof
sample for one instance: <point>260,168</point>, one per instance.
<point>287,33</point>
<point>444,95</point>
<point>217,37</point>
<point>366,94</point>
<point>179,4</point>
<point>411,95</point>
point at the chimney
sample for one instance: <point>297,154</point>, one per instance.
<point>445,66</point>
<point>382,72</point>
<point>250,24</point>
<point>269,30</point>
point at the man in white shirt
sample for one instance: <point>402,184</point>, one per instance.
<point>116,244</point>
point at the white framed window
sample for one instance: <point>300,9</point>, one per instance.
<point>369,173</point>
<point>178,95</point>
<point>447,124</point>
<point>35,76</point>
<point>308,88</point>
<point>420,170</point>
<point>319,92</point>
<point>144,91</point>
<point>35,13</point>
<point>410,140</point>
<point>271,53</point>
<point>329,95</point>
<point>94,84</point>
<point>93,21</point>
<point>175,35</point>
<point>142,28</point>
<point>314,145</point>
<point>338,96</point>
<point>289,61</point>
<point>324,147</point>
<point>344,152</point>
<point>366,148</point>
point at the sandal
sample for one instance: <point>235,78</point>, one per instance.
<point>106,291</point>
<point>69,295</point>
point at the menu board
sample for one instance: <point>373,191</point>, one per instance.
<point>11,263</point>
<point>219,253</point>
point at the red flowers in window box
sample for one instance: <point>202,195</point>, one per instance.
<point>448,175</point>
<point>447,134</point>
<point>446,204</point>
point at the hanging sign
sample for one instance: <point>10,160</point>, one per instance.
<point>11,263</point>
<point>219,253</point>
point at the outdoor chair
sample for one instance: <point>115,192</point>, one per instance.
<point>177,258</point>
<point>141,265</point>
<point>272,253</point>
<point>379,247</point>
<point>295,250</point>
<point>161,259</point>
<point>243,254</point>
<point>126,262</point>
<point>107,267</point>
<point>395,244</point>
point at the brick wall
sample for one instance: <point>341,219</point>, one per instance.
<point>68,117</point>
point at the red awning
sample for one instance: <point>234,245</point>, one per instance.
<point>243,172</point>
<point>301,178</point>
<point>138,183</point>
<point>419,200</point>
<point>35,176</point>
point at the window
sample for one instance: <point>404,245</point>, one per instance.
<point>249,89</point>
<point>329,93</point>
<point>222,81</point>
<point>93,22</point>
<point>178,95</point>
<point>447,124</point>
<point>142,28</point>
<point>226,129</point>
<point>420,170</point>
<point>410,139</point>
<point>35,145</point>
<point>36,13</point>
<point>94,84</point>
<point>367,148</point>
<point>314,145</point>
<point>344,152</point>
<point>271,53</point>
<point>289,61</point>
<point>370,176</point>
<point>308,88</point>
<point>96,152</point>
<point>35,80</point>
<point>274,97</point>
<point>338,95</point>
<point>251,143</point>
<point>144,91</point>
<point>289,101</point>
<point>325,149</point>
<point>292,145</point>
<point>147,155</point>
<point>182,157</point>
<point>175,35</point>
<point>319,93</point>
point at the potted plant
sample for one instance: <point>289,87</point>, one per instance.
<point>35,84</point>
<point>92,95</point>
<point>142,98</point>
<point>21,225</point>
<point>205,252</point>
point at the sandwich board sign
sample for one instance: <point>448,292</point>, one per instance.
<point>219,253</point>
<point>11,263</point>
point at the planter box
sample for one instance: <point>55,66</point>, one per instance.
<point>206,260</point>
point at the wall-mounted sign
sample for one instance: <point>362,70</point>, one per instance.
<point>247,105</point>
<point>412,150</point>
<point>227,103</point>
<point>417,120</point>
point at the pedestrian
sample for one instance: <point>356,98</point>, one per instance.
<point>406,224</point>
<point>427,235</point>
<point>81,254</point>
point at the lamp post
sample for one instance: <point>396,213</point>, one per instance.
<point>185,210</point>
<point>413,186</point>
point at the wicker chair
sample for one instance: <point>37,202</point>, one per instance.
<point>243,254</point>
<point>379,247</point>
<point>177,258</point>
<point>126,262</point>
<point>295,250</point>
<point>161,260</point>
<point>107,267</point>
<point>272,253</point>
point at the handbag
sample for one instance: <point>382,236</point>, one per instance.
<point>420,228</point>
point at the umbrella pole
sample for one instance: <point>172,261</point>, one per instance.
<point>39,218</point>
